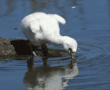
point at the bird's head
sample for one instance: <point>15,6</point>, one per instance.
<point>70,45</point>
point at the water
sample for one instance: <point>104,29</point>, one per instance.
<point>88,23</point>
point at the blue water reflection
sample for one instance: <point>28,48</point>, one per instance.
<point>88,23</point>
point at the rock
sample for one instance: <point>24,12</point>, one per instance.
<point>16,48</point>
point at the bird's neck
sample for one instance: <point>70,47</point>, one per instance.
<point>59,40</point>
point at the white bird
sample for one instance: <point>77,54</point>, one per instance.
<point>44,28</point>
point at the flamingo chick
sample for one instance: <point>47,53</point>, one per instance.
<point>44,28</point>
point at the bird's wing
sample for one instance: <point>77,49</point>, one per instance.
<point>59,18</point>
<point>34,26</point>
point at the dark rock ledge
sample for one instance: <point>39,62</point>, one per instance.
<point>16,48</point>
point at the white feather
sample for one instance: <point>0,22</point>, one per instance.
<point>40,27</point>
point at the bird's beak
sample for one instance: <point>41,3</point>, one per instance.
<point>72,55</point>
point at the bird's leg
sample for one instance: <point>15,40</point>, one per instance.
<point>44,49</point>
<point>31,48</point>
<point>30,63</point>
<point>33,52</point>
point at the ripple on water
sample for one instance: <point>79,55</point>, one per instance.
<point>93,63</point>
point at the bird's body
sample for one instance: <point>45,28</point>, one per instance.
<point>40,27</point>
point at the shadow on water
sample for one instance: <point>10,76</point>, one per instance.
<point>45,77</point>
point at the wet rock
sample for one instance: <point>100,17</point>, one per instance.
<point>6,48</point>
<point>16,48</point>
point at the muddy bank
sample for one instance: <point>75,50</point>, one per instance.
<point>16,48</point>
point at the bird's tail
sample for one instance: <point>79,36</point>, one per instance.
<point>59,18</point>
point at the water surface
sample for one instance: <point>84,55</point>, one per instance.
<point>88,23</point>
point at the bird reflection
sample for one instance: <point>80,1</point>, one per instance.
<point>48,78</point>
<point>30,63</point>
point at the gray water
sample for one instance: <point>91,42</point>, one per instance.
<point>88,23</point>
